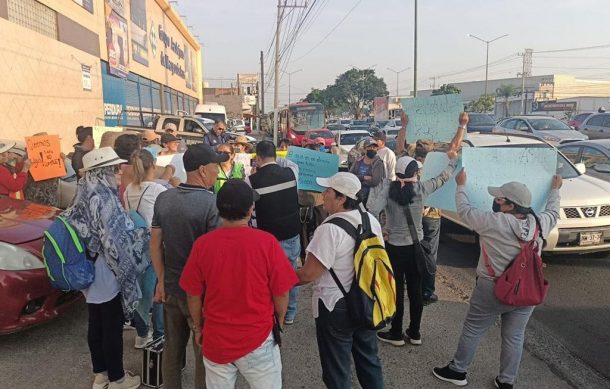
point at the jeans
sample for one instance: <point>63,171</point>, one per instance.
<point>142,324</point>
<point>105,337</point>
<point>402,259</point>
<point>339,341</point>
<point>483,312</point>
<point>432,229</point>
<point>178,325</point>
<point>292,249</point>
<point>262,368</point>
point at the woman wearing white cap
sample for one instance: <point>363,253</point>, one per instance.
<point>407,194</point>
<point>12,182</point>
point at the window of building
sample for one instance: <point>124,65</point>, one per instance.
<point>33,15</point>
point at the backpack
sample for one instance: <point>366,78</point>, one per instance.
<point>65,257</point>
<point>522,283</point>
<point>371,301</point>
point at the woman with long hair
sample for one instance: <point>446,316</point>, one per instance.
<point>139,197</point>
<point>117,247</point>
<point>407,194</point>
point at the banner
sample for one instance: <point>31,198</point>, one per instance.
<point>139,35</point>
<point>312,164</point>
<point>118,45</point>
<point>98,131</point>
<point>432,117</point>
<point>45,153</point>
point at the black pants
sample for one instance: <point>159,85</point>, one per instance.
<point>402,259</point>
<point>105,337</point>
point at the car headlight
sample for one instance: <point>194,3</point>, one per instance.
<point>15,258</point>
<point>550,138</point>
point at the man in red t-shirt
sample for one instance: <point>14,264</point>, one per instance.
<point>241,278</point>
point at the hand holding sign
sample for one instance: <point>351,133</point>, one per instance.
<point>44,154</point>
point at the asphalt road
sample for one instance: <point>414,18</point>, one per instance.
<point>577,309</point>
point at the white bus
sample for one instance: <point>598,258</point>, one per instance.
<point>213,111</point>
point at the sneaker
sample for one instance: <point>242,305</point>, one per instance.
<point>142,341</point>
<point>501,385</point>
<point>101,381</point>
<point>414,339</point>
<point>448,375</point>
<point>128,327</point>
<point>129,381</point>
<point>389,337</point>
<point>288,321</point>
<point>430,299</point>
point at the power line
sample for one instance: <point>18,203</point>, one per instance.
<point>574,49</point>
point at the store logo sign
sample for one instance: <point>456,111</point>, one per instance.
<point>153,39</point>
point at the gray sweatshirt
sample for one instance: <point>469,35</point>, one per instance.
<point>500,233</point>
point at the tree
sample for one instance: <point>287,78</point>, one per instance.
<point>485,103</point>
<point>446,89</point>
<point>506,91</point>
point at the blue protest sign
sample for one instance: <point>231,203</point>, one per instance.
<point>444,197</point>
<point>495,166</point>
<point>432,117</point>
<point>313,164</point>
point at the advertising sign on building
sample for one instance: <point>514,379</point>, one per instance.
<point>139,41</point>
<point>118,45</point>
<point>380,108</point>
<point>247,79</point>
<point>86,4</point>
<point>117,6</point>
<point>554,106</point>
<point>86,76</point>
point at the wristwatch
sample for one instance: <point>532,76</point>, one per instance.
<point>462,127</point>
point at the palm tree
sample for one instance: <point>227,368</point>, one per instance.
<point>506,91</point>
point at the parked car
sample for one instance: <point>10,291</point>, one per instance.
<point>327,135</point>
<point>547,128</point>
<point>360,127</point>
<point>345,142</point>
<point>237,126</point>
<point>28,299</point>
<point>362,122</point>
<point>577,120</point>
<point>480,122</point>
<point>345,122</point>
<point>596,126</point>
<point>392,124</point>
<point>332,121</point>
<point>584,217</point>
<point>334,128</point>
<point>378,125</point>
<point>594,154</point>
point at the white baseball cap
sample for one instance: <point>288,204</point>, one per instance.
<point>343,182</point>
<point>403,162</point>
<point>6,145</point>
<point>105,156</point>
<point>513,191</point>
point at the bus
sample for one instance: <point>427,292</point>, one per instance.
<point>213,111</point>
<point>298,118</point>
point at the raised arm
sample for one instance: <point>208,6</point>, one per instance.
<point>548,218</point>
<point>456,142</point>
<point>433,184</point>
<point>401,138</point>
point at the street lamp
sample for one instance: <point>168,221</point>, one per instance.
<point>289,77</point>
<point>397,73</point>
<point>487,55</point>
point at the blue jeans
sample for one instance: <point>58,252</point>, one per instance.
<point>292,249</point>
<point>141,324</point>
<point>147,282</point>
<point>432,230</point>
<point>338,340</point>
<point>262,368</point>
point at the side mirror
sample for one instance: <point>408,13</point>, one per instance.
<point>581,168</point>
<point>602,168</point>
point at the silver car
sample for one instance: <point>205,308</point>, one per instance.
<point>596,126</point>
<point>547,128</point>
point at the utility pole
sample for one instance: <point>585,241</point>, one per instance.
<point>397,73</point>
<point>289,79</point>
<point>433,81</point>
<point>415,54</point>
<point>526,71</point>
<point>486,55</point>
<point>261,92</point>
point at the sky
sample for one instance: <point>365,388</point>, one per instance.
<point>378,34</point>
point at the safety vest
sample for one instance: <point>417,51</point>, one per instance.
<point>237,172</point>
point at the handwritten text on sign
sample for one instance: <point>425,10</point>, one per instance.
<point>313,164</point>
<point>432,117</point>
<point>45,153</point>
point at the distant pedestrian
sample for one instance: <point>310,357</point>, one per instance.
<point>284,144</point>
<point>171,128</point>
<point>182,215</point>
<point>84,145</point>
<point>501,235</point>
<point>370,170</point>
<point>277,209</point>
<point>387,156</point>
<point>118,249</point>
<point>170,144</point>
<point>217,136</point>
<point>237,322</point>
<point>332,248</point>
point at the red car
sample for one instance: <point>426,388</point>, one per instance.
<point>27,297</point>
<point>577,120</point>
<point>327,135</point>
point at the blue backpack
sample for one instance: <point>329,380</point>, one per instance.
<point>65,257</point>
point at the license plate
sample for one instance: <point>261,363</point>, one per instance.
<point>590,238</point>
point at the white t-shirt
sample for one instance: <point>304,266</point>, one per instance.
<point>389,161</point>
<point>334,248</point>
<point>150,191</point>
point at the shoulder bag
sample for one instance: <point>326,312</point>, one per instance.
<point>425,261</point>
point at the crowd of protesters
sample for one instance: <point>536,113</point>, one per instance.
<point>167,258</point>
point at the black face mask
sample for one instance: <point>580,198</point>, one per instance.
<point>371,153</point>
<point>496,207</point>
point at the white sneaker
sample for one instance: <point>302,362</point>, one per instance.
<point>129,381</point>
<point>141,341</point>
<point>101,381</point>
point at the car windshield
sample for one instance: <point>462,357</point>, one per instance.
<point>306,116</point>
<point>393,132</point>
<point>564,167</point>
<point>481,119</point>
<point>345,121</point>
<point>321,134</point>
<point>359,122</point>
<point>206,124</point>
<point>548,124</point>
<point>351,139</point>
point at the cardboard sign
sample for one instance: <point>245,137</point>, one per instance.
<point>98,131</point>
<point>312,164</point>
<point>432,117</point>
<point>45,153</point>
<point>176,161</point>
<point>444,197</point>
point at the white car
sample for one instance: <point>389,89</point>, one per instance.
<point>391,125</point>
<point>584,218</point>
<point>346,140</point>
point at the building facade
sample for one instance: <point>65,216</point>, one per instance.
<point>67,63</point>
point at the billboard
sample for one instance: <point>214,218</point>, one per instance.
<point>118,45</point>
<point>139,41</point>
<point>380,108</point>
<point>86,4</point>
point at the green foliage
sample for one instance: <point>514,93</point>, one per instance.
<point>446,89</point>
<point>353,90</point>
<point>485,103</point>
<point>506,91</point>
